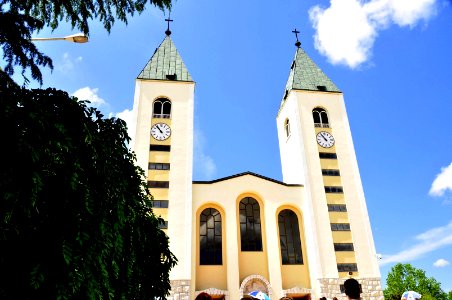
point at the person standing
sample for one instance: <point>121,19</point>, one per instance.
<point>352,289</point>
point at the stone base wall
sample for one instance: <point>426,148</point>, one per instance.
<point>180,290</point>
<point>297,290</point>
<point>371,287</point>
<point>214,291</point>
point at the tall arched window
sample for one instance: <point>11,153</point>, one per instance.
<point>287,127</point>
<point>289,238</point>
<point>250,225</point>
<point>320,117</point>
<point>161,108</point>
<point>210,244</point>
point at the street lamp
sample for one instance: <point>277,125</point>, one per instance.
<point>75,38</point>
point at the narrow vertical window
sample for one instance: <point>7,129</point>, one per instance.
<point>250,225</point>
<point>287,127</point>
<point>166,108</point>
<point>161,108</point>
<point>320,117</point>
<point>210,243</point>
<point>289,238</point>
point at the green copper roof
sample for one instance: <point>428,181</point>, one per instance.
<point>166,64</point>
<point>306,75</point>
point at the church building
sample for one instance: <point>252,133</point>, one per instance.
<point>301,237</point>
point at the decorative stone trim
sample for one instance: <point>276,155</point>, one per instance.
<point>269,291</point>
<point>214,291</point>
<point>180,290</point>
<point>371,287</point>
<point>298,290</point>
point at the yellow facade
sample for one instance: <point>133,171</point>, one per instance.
<point>239,266</point>
<point>299,237</point>
<point>329,164</point>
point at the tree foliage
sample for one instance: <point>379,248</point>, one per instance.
<point>404,277</point>
<point>75,221</point>
<point>21,18</point>
<point>15,35</point>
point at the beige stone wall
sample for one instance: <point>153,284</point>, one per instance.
<point>214,292</point>
<point>330,287</point>
<point>180,290</point>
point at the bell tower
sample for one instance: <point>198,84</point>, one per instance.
<point>316,149</point>
<point>163,107</point>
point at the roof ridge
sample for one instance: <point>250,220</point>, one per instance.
<point>243,174</point>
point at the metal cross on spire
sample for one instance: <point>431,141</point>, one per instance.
<point>168,32</point>
<point>298,44</point>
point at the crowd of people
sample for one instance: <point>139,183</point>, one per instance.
<point>351,286</point>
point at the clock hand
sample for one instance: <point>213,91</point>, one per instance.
<point>324,137</point>
<point>159,129</point>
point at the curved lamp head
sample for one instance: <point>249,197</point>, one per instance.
<point>77,38</point>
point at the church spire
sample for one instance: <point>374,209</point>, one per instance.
<point>306,75</point>
<point>166,63</point>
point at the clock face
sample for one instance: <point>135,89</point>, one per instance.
<point>325,139</point>
<point>160,131</point>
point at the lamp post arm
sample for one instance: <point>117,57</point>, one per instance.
<point>75,38</point>
<point>47,39</point>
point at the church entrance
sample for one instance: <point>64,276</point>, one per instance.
<point>255,283</point>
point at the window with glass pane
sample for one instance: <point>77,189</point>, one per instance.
<point>210,251</point>
<point>250,225</point>
<point>289,238</point>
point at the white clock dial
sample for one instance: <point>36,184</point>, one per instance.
<point>160,131</point>
<point>325,139</point>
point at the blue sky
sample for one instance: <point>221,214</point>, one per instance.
<point>391,59</point>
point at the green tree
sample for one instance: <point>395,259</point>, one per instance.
<point>404,277</point>
<point>20,19</point>
<point>75,217</point>
<point>449,295</point>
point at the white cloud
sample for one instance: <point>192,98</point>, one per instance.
<point>346,31</point>
<point>67,63</point>
<point>442,182</point>
<point>128,116</point>
<point>427,242</point>
<point>91,95</point>
<point>440,263</point>
<point>203,165</point>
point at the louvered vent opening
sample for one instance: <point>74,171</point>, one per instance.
<point>171,76</point>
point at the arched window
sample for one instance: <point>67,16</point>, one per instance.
<point>161,108</point>
<point>320,117</point>
<point>210,246</point>
<point>287,127</point>
<point>289,238</point>
<point>250,225</point>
